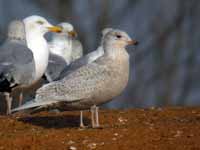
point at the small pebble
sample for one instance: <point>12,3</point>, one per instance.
<point>116,134</point>
<point>122,120</point>
<point>102,143</point>
<point>194,112</point>
<point>92,145</point>
<point>70,142</point>
<point>152,108</point>
<point>72,148</point>
<point>1,147</point>
<point>178,133</point>
<point>114,139</point>
<point>84,141</point>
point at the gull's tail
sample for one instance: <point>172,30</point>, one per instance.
<point>31,104</point>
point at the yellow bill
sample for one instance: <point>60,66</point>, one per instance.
<point>55,29</point>
<point>72,33</point>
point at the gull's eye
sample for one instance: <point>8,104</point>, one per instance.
<point>118,36</point>
<point>40,22</point>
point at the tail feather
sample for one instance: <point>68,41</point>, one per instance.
<point>31,104</point>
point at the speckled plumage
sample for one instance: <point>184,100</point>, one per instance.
<point>92,84</point>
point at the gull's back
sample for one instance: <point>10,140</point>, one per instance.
<point>89,58</point>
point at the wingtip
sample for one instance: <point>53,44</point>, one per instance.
<point>25,106</point>
<point>15,110</point>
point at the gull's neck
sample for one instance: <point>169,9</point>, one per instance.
<point>117,58</point>
<point>17,35</point>
<point>61,45</point>
<point>115,52</point>
<point>17,40</point>
<point>38,45</point>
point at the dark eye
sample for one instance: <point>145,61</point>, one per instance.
<point>40,22</point>
<point>118,36</point>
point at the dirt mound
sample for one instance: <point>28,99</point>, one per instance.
<point>136,129</point>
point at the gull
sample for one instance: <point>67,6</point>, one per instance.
<point>60,51</point>
<point>93,84</point>
<point>89,58</point>
<point>61,43</point>
<point>24,55</point>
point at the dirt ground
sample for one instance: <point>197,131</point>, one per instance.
<point>134,129</point>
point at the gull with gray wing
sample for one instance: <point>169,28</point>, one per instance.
<point>23,55</point>
<point>17,64</point>
<point>89,58</point>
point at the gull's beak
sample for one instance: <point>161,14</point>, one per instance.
<point>133,42</point>
<point>55,29</point>
<point>72,33</point>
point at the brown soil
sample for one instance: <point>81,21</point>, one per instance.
<point>136,129</point>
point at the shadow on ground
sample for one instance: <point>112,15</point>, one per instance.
<point>56,122</point>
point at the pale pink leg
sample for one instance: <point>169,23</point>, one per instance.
<point>21,96</point>
<point>93,117</point>
<point>8,103</point>
<point>81,120</point>
<point>97,116</point>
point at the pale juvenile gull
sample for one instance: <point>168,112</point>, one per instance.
<point>60,51</point>
<point>90,57</point>
<point>23,55</point>
<point>92,84</point>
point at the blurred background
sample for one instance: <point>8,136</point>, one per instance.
<point>164,67</point>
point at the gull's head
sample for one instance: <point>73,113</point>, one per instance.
<point>67,29</point>
<point>104,32</point>
<point>40,25</point>
<point>118,39</point>
<point>16,30</point>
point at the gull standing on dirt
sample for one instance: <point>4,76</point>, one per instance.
<point>89,58</point>
<point>92,84</point>
<point>24,55</point>
<point>60,51</point>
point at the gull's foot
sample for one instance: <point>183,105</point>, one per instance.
<point>8,112</point>
<point>97,127</point>
<point>82,126</point>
